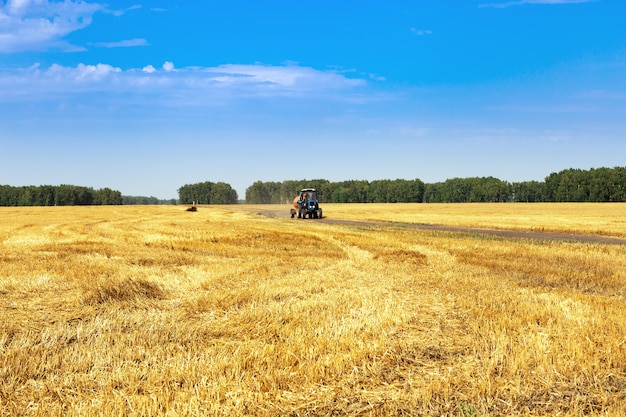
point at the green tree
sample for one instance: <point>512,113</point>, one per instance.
<point>107,197</point>
<point>263,193</point>
<point>528,192</point>
<point>207,193</point>
<point>222,193</point>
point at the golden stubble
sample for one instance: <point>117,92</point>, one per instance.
<point>579,218</point>
<point>159,311</point>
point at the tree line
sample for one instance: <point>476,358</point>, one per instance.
<point>352,191</point>
<point>128,200</point>
<point>569,185</point>
<point>207,192</point>
<point>57,195</point>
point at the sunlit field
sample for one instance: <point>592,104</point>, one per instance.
<point>581,218</point>
<point>153,310</point>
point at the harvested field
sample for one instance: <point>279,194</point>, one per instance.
<point>157,311</point>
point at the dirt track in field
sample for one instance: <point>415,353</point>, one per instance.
<point>509,234</point>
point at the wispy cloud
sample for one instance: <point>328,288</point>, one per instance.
<point>39,25</point>
<point>122,11</point>
<point>421,32</point>
<point>603,95</point>
<point>523,2</point>
<point>27,25</point>
<point>289,77</point>
<point>191,84</point>
<point>123,44</point>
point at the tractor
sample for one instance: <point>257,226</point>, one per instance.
<point>306,204</point>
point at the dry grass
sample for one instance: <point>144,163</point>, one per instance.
<point>581,218</point>
<point>157,311</point>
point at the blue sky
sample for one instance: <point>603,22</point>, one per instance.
<point>147,97</point>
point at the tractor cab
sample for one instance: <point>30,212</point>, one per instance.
<point>307,194</point>
<point>306,204</point>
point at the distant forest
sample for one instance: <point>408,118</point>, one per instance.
<point>69,195</point>
<point>57,195</point>
<point>207,193</point>
<point>140,200</point>
<point>570,185</point>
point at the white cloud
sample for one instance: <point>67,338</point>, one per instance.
<point>16,6</point>
<point>603,95</point>
<point>94,72</point>
<point>285,77</point>
<point>123,44</point>
<point>421,32</point>
<point>194,84</point>
<point>522,2</point>
<point>121,12</point>
<point>27,25</point>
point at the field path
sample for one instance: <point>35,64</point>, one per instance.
<point>281,212</point>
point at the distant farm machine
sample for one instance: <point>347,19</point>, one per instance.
<point>306,204</point>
